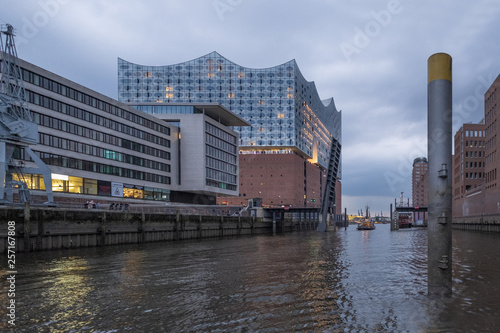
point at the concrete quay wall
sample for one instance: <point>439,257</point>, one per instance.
<point>490,223</point>
<point>40,229</point>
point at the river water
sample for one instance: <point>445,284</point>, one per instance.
<point>342,281</point>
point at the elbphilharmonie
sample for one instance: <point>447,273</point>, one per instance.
<point>290,155</point>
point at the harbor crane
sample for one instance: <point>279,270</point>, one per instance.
<point>17,129</point>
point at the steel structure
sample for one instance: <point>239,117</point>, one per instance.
<point>17,129</point>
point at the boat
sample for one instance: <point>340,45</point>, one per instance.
<point>367,223</point>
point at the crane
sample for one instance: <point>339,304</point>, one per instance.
<point>17,128</point>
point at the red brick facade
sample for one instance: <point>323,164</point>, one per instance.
<point>280,179</point>
<point>476,188</point>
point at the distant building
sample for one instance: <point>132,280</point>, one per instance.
<point>293,144</point>
<point>468,168</point>
<point>98,148</point>
<point>492,162</point>
<point>420,182</point>
<point>420,186</point>
<point>476,189</point>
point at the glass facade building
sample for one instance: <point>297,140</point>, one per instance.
<point>284,109</point>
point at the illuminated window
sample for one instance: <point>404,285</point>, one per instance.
<point>230,95</point>
<point>148,74</point>
<point>289,95</point>
<point>169,88</point>
<point>138,194</point>
<point>128,192</point>
<point>169,95</point>
<point>210,74</point>
<point>75,185</point>
<point>241,74</point>
<point>281,116</point>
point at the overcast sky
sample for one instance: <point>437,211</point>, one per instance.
<point>369,55</point>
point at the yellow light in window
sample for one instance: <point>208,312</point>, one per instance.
<point>210,74</point>
<point>289,89</point>
<point>230,95</point>
<point>241,74</point>
<point>148,74</point>
<point>58,176</point>
<point>169,95</point>
<point>261,102</point>
<point>169,88</point>
<point>281,116</point>
<point>289,95</point>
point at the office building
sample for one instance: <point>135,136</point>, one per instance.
<point>468,168</point>
<point>98,148</point>
<point>475,186</point>
<point>420,182</point>
<point>293,144</point>
<point>492,160</point>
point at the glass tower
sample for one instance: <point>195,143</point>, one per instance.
<point>285,111</point>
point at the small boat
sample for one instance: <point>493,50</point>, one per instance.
<point>367,223</point>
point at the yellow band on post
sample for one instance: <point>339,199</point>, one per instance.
<point>439,67</point>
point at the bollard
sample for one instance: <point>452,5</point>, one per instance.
<point>439,150</point>
<point>274,223</point>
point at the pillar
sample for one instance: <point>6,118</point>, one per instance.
<point>439,150</point>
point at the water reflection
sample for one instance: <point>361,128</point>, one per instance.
<point>344,281</point>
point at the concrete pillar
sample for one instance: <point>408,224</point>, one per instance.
<point>439,149</point>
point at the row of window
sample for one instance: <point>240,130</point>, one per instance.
<point>492,142</point>
<point>74,146</point>
<point>475,143</point>
<point>491,175</point>
<point>80,185</point>
<point>473,165</point>
<point>76,95</point>
<point>474,154</point>
<point>492,128</point>
<point>214,183</point>
<point>473,175</point>
<point>86,132</point>
<point>73,163</point>
<point>221,155</point>
<point>491,157</point>
<point>218,143</point>
<point>217,132</point>
<point>219,165</point>
<point>474,134</point>
<point>220,176</point>
<point>90,117</point>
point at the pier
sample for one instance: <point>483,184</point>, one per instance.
<point>48,228</point>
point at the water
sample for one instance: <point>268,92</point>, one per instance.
<point>344,281</point>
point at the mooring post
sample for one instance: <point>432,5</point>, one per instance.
<point>274,223</point>
<point>346,222</point>
<point>27,227</point>
<point>439,150</point>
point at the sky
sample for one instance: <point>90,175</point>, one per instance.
<point>369,55</point>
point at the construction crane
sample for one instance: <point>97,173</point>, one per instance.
<point>17,129</point>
